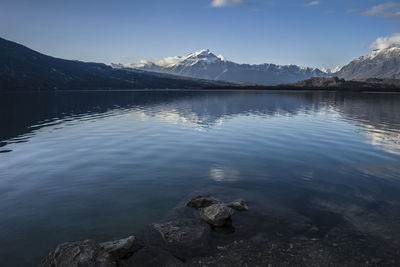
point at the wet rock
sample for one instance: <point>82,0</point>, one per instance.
<point>90,254</point>
<point>85,253</point>
<point>217,214</point>
<point>239,205</point>
<point>122,248</point>
<point>201,202</point>
<point>184,237</point>
<point>185,231</point>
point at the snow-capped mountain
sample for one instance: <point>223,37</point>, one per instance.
<point>380,63</point>
<point>331,71</point>
<point>206,65</point>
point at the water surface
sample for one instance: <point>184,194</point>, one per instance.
<point>103,165</point>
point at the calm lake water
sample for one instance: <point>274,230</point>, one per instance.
<point>103,165</point>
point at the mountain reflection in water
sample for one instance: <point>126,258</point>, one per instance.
<point>376,115</point>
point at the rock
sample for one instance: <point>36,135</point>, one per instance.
<point>239,205</point>
<point>122,248</point>
<point>184,237</point>
<point>90,254</point>
<point>85,253</point>
<point>217,214</point>
<point>200,202</point>
<point>185,231</point>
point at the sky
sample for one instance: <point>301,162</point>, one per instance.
<point>324,33</point>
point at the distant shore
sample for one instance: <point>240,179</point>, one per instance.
<point>313,84</point>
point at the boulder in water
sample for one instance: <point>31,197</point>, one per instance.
<point>217,214</point>
<point>239,205</point>
<point>84,253</point>
<point>88,253</point>
<point>200,202</point>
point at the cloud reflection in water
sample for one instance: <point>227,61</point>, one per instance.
<point>224,174</point>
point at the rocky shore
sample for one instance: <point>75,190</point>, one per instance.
<point>210,232</point>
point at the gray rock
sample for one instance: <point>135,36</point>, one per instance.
<point>239,205</point>
<point>201,202</point>
<point>184,237</point>
<point>217,214</point>
<point>181,231</point>
<point>84,253</point>
<point>122,248</point>
<point>90,254</point>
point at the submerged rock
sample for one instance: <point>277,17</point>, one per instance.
<point>217,214</point>
<point>184,237</point>
<point>90,254</point>
<point>174,241</point>
<point>122,248</point>
<point>185,232</point>
<point>200,202</point>
<point>239,205</point>
<point>226,229</point>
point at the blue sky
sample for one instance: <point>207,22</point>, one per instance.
<point>322,33</point>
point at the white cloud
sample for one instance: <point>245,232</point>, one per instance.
<point>227,3</point>
<point>313,3</point>
<point>387,10</point>
<point>386,42</point>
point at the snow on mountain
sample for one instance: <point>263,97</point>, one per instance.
<point>206,65</point>
<point>331,71</point>
<point>380,63</point>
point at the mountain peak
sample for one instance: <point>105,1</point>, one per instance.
<point>205,53</point>
<point>331,71</point>
<point>390,51</point>
<point>202,52</point>
<point>202,57</point>
<point>204,64</point>
<point>380,63</point>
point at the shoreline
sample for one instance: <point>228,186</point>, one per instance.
<point>320,90</point>
<point>260,237</point>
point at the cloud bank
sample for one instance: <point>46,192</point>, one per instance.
<point>386,42</point>
<point>387,10</point>
<point>227,3</point>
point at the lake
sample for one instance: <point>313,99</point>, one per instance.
<point>103,165</point>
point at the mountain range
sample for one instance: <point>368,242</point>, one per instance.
<point>383,63</point>
<point>22,68</point>
<point>206,65</point>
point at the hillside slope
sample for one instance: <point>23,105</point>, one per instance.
<point>382,63</point>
